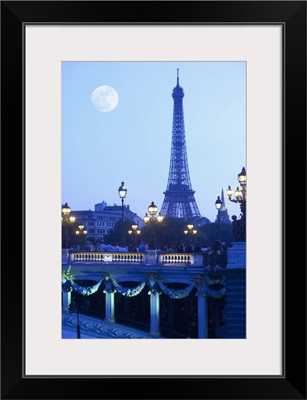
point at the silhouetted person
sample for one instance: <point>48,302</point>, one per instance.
<point>189,248</point>
<point>180,248</point>
<point>197,248</point>
<point>142,247</point>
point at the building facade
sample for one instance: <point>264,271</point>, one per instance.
<point>99,222</point>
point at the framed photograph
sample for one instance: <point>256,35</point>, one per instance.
<point>49,49</point>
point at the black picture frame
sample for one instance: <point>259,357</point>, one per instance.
<point>292,16</point>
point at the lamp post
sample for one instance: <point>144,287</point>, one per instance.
<point>122,191</point>
<point>67,219</point>
<point>81,232</point>
<point>190,230</point>
<point>134,230</point>
<point>239,226</point>
<point>218,205</point>
<point>153,220</point>
<point>77,306</point>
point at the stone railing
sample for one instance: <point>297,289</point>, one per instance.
<point>180,258</point>
<point>106,257</point>
<point>148,257</point>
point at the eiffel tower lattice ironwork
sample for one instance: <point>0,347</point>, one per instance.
<point>179,201</point>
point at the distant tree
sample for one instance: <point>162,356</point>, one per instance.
<point>210,232</point>
<point>115,234</point>
<point>171,231</point>
<point>69,237</point>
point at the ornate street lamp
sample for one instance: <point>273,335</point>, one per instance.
<point>239,225</point>
<point>153,220</point>
<point>67,219</point>
<point>81,232</point>
<point>122,191</point>
<point>134,230</point>
<point>190,230</point>
<point>218,205</point>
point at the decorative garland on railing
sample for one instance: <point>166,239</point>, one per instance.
<point>86,290</point>
<point>176,293</point>
<point>68,284</point>
<point>113,286</point>
<point>202,282</point>
<point>67,279</point>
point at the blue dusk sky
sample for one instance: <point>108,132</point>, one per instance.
<point>132,143</point>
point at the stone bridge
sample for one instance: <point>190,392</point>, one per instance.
<point>157,270</point>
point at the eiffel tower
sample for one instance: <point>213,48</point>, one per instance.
<point>179,201</point>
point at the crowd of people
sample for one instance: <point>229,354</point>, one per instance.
<point>175,247</point>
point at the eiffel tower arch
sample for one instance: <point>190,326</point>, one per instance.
<point>179,201</point>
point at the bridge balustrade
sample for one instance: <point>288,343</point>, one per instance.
<point>114,257</point>
<point>150,257</point>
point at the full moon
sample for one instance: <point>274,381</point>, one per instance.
<point>105,98</point>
